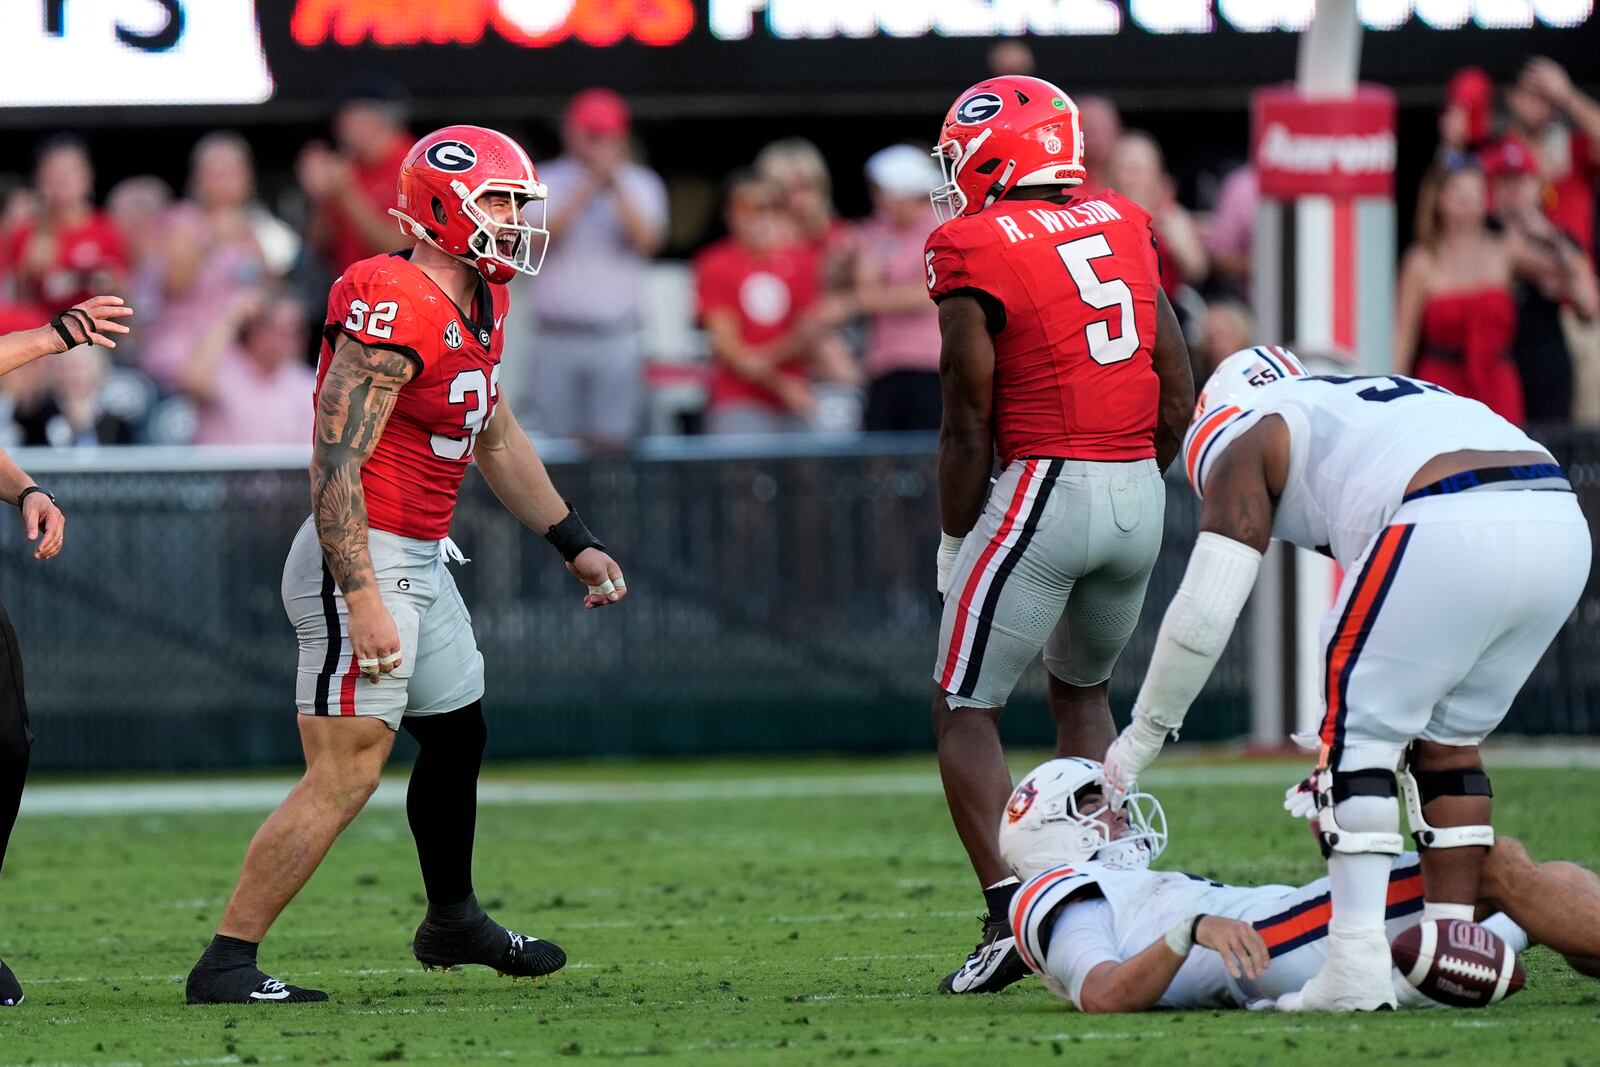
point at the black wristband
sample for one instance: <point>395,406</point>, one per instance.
<point>1194,931</point>
<point>34,489</point>
<point>570,536</point>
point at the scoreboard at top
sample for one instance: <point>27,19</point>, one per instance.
<point>109,52</point>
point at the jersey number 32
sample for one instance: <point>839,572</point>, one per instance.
<point>1102,294</point>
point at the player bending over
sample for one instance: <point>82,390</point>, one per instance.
<point>406,398</point>
<point>1463,551</point>
<point>1061,355</point>
<point>1108,934</point>
<point>88,323</point>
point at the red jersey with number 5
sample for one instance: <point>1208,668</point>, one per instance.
<point>1071,294</point>
<point>414,472</point>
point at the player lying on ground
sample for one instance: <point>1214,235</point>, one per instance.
<point>1108,934</point>
<point>89,323</point>
<point>1463,550</point>
<point>1061,355</point>
<point>406,399</point>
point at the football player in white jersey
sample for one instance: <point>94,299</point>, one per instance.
<point>1108,934</point>
<point>1464,552</point>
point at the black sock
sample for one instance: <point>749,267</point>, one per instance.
<point>442,799</point>
<point>227,952</point>
<point>465,913</point>
<point>15,736</point>
<point>998,899</point>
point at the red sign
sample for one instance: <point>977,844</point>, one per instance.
<point>1324,147</point>
<point>532,25</point>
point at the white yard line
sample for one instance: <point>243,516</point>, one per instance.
<point>262,794</point>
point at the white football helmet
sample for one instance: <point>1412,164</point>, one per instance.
<point>1043,826</point>
<point>1229,388</point>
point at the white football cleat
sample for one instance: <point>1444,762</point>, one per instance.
<point>1358,976</point>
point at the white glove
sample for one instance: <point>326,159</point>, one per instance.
<point>945,561</point>
<point>1300,799</point>
<point>1134,749</point>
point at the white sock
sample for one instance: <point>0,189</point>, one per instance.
<point>1359,881</point>
<point>1464,912</point>
<point>1508,931</point>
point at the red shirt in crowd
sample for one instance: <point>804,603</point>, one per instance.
<point>767,292</point>
<point>416,468</point>
<point>88,259</point>
<point>379,183</point>
<point>1570,197</point>
<point>1076,286</point>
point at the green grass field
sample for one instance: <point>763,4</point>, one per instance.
<point>729,912</point>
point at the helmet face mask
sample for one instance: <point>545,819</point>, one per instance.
<point>1045,826</point>
<point>529,240</point>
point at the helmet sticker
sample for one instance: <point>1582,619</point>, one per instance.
<point>1058,103</point>
<point>978,108</point>
<point>1052,144</point>
<point>453,157</point>
<point>1021,800</point>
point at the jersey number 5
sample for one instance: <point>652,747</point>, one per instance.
<point>477,391</point>
<point>374,321</point>
<point>1101,294</point>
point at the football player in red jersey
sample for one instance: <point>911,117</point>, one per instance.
<point>406,398</point>
<point>1061,355</point>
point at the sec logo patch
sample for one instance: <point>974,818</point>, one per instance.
<point>452,335</point>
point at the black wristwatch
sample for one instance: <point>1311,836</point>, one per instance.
<point>35,489</point>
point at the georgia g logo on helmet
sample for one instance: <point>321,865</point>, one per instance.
<point>978,108</point>
<point>453,157</point>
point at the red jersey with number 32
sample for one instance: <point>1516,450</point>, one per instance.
<point>1077,281</point>
<point>415,470</point>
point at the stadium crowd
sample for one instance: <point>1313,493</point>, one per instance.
<point>809,322</point>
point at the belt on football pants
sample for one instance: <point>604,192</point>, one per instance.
<point>1536,476</point>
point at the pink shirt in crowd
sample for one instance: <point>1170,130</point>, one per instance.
<point>253,407</point>
<point>899,340</point>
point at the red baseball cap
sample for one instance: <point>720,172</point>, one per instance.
<point>599,111</point>
<point>1508,158</point>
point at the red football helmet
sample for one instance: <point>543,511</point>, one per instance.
<point>1003,133</point>
<point>441,181</point>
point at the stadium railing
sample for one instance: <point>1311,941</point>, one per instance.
<point>782,599</point>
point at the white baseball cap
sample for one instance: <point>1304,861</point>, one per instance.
<point>903,170</point>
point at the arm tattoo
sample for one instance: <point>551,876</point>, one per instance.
<point>357,395</point>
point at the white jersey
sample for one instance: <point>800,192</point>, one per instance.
<point>1354,445</point>
<point>1109,913</point>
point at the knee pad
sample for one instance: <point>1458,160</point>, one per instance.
<point>1424,786</point>
<point>1335,788</point>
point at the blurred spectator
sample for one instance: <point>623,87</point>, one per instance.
<point>1538,103</point>
<point>1010,56</point>
<point>755,288</point>
<point>1230,236</point>
<point>797,168</point>
<point>212,250</point>
<point>19,206</point>
<point>248,376</point>
<point>352,189</point>
<point>608,217</point>
<point>1102,128</point>
<point>65,406</point>
<point>69,251</point>
<point>1136,170</point>
<point>1550,272</point>
<point>1229,327</point>
<point>902,349</point>
<point>138,206</point>
<point>1454,316</point>
<point>1464,117</point>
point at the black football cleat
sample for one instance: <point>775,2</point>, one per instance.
<point>10,988</point>
<point>484,941</point>
<point>245,984</point>
<point>993,965</point>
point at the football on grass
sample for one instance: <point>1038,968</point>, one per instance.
<point>1457,963</point>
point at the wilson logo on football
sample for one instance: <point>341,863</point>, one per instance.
<point>528,23</point>
<point>1472,938</point>
<point>452,157</point>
